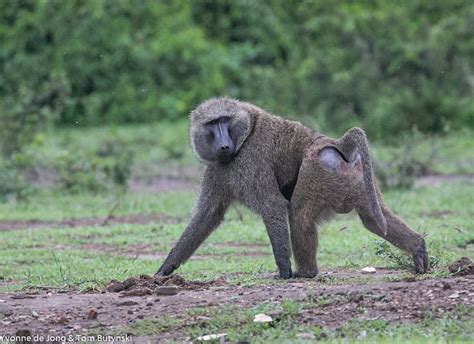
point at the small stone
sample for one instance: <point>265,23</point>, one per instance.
<point>127,303</point>
<point>306,336</point>
<point>60,320</point>
<point>368,270</point>
<point>446,286</point>
<point>262,318</point>
<point>92,314</point>
<point>114,286</point>
<point>138,291</point>
<point>208,337</point>
<point>166,290</point>
<point>362,334</point>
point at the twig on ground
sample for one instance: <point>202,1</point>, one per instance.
<point>111,214</point>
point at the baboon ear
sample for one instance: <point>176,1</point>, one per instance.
<point>241,127</point>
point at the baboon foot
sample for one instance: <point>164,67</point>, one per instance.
<point>311,273</point>
<point>420,259</point>
<point>284,274</point>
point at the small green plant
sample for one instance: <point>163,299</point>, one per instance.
<point>115,161</point>
<point>12,183</point>
<point>406,164</point>
<point>399,259</point>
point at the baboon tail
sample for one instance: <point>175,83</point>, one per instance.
<point>353,141</point>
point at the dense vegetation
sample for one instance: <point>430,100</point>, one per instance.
<point>395,68</point>
<point>386,65</point>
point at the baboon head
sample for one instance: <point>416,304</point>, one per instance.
<point>218,128</point>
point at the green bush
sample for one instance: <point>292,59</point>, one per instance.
<point>108,167</point>
<point>384,65</point>
<point>12,184</point>
<point>406,163</point>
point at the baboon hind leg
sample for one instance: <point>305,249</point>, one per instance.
<point>308,209</point>
<point>304,237</point>
<point>304,241</point>
<point>398,234</point>
<point>353,193</point>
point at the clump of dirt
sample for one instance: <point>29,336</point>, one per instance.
<point>147,285</point>
<point>461,267</point>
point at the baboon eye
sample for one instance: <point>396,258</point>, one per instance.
<point>213,122</point>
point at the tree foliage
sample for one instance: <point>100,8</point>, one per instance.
<point>385,65</point>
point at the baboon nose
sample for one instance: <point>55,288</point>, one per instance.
<point>225,147</point>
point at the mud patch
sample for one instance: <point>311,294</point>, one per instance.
<point>434,180</point>
<point>149,252</point>
<point>462,267</point>
<point>148,285</point>
<point>239,244</point>
<point>330,306</point>
<point>163,185</point>
<point>139,219</point>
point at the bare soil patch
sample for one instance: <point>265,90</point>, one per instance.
<point>8,225</point>
<point>163,184</point>
<point>244,245</point>
<point>148,252</point>
<point>148,285</point>
<point>144,297</point>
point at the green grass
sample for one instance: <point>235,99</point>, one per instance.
<point>88,257</point>
<point>58,256</point>
<point>55,205</point>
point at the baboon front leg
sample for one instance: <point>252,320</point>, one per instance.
<point>207,216</point>
<point>400,235</point>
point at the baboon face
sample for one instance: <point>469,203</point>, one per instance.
<point>218,129</point>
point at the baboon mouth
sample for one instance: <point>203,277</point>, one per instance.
<point>225,157</point>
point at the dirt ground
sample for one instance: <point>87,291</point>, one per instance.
<point>63,312</point>
<point>8,225</point>
<point>59,312</point>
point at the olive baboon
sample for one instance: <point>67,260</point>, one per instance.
<point>254,157</point>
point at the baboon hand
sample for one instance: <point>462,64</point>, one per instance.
<point>165,270</point>
<point>420,259</point>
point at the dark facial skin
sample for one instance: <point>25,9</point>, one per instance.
<point>222,144</point>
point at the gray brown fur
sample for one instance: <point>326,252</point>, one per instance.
<point>273,155</point>
<point>339,186</point>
